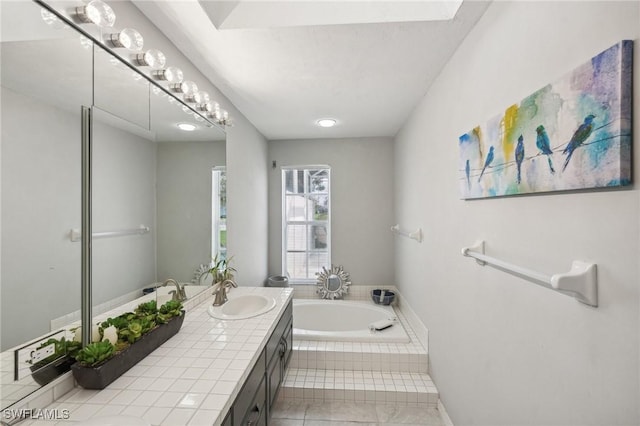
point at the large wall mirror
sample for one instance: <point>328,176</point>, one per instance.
<point>149,176</point>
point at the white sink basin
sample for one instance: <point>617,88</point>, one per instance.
<point>242,307</point>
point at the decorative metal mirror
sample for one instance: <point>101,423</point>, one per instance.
<point>333,283</point>
<point>202,276</point>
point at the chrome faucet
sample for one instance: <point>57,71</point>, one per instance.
<point>220,291</point>
<point>179,293</point>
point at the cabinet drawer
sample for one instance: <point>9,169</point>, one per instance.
<point>274,378</point>
<point>274,341</point>
<point>257,411</point>
<point>249,391</point>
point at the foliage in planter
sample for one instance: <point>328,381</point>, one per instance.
<point>62,347</point>
<point>131,326</point>
<point>95,353</point>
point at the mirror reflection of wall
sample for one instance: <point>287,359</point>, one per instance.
<point>41,196</point>
<point>146,171</point>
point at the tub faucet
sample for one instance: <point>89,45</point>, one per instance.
<point>220,291</point>
<point>179,293</point>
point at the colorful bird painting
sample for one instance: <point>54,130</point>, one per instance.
<point>519,157</point>
<point>488,161</point>
<point>581,134</point>
<point>543,144</point>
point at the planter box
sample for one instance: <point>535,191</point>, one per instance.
<point>100,376</point>
<point>54,369</point>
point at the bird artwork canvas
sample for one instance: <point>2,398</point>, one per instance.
<point>572,134</point>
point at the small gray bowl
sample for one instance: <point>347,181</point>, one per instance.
<point>387,297</point>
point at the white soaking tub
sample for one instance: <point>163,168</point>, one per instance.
<point>341,320</point>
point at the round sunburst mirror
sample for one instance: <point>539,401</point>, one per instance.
<point>333,283</point>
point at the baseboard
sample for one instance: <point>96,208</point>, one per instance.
<point>443,414</point>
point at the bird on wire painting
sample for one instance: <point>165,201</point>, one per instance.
<point>572,134</point>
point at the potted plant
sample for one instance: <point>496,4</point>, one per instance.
<point>126,339</point>
<point>221,269</point>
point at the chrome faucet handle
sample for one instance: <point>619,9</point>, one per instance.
<point>220,291</point>
<point>179,293</point>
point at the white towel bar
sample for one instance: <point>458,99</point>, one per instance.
<point>75,234</point>
<point>416,235</point>
<point>580,282</point>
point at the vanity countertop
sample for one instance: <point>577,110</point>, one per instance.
<point>192,379</point>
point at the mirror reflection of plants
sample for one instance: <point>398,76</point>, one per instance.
<point>62,347</point>
<point>221,269</point>
<point>130,327</point>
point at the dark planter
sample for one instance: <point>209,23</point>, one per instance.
<point>100,376</point>
<point>52,370</point>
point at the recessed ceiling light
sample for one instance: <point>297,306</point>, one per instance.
<point>326,122</point>
<point>187,127</point>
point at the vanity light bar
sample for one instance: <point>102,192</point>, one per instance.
<point>101,14</point>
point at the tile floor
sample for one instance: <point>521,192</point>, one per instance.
<point>301,413</point>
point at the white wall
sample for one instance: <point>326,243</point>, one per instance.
<point>41,203</point>
<point>247,229</point>
<point>361,203</point>
<point>505,351</point>
<point>184,206</point>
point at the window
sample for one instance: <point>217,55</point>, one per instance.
<point>306,217</point>
<point>219,212</point>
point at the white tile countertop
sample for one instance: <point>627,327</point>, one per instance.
<point>192,379</point>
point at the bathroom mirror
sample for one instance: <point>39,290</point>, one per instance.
<point>333,283</point>
<point>150,178</point>
<point>46,76</point>
<point>148,174</point>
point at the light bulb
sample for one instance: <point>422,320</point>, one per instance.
<point>201,97</point>
<point>96,12</point>
<point>152,58</point>
<point>170,74</point>
<point>127,38</point>
<point>185,87</point>
<point>206,107</point>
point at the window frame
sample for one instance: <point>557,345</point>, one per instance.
<point>308,223</point>
<point>218,223</point>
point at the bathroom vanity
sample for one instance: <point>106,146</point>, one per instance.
<point>253,404</point>
<point>213,372</point>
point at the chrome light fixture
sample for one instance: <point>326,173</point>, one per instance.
<point>96,12</point>
<point>169,74</point>
<point>127,38</point>
<point>152,58</point>
<point>201,97</point>
<point>185,87</point>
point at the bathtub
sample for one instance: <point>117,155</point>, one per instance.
<point>340,320</point>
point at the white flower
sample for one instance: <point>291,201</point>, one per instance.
<point>111,334</point>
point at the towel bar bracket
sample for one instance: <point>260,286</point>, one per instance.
<point>580,282</point>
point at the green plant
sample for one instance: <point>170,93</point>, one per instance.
<point>147,308</point>
<point>172,308</point>
<point>62,347</point>
<point>131,326</point>
<point>221,269</point>
<point>132,333</point>
<point>95,353</point>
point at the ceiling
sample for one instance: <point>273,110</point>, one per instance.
<point>284,74</point>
